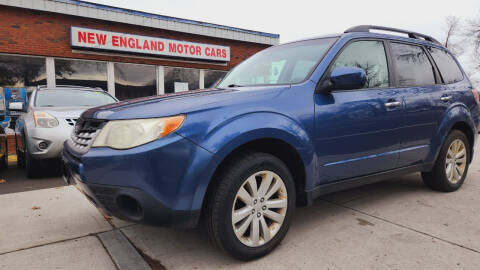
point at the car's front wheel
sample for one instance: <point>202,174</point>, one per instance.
<point>32,166</point>
<point>4,158</point>
<point>20,154</point>
<point>451,166</point>
<point>250,209</point>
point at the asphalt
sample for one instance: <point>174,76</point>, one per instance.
<point>397,224</point>
<point>16,180</point>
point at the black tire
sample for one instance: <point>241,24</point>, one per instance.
<point>218,211</point>
<point>4,159</point>
<point>20,155</point>
<point>33,166</point>
<point>437,178</point>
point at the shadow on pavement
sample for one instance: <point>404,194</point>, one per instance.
<point>17,181</point>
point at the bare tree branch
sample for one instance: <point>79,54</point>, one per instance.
<point>452,35</point>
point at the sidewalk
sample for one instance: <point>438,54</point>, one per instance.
<point>398,224</point>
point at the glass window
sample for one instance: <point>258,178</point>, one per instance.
<point>81,73</point>
<point>447,65</point>
<point>276,65</point>
<point>412,65</point>
<point>181,79</point>
<point>213,77</point>
<point>133,81</point>
<point>72,98</point>
<point>301,67</point>
<point>371,57</point>
<point>22,71</point>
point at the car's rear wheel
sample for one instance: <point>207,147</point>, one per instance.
<point>250,209</point>
<point>451,166</point>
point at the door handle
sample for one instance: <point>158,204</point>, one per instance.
<point>392,104</point>
<point>446,98</point>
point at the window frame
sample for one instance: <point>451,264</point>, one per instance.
<point>436,74</point>
<point>328,71</point>
<point>442,80</point>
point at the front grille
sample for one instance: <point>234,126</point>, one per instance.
<point>106,196</point>
<point>71,121</point>
<point>84,133</point>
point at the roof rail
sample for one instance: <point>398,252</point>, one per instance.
<point>367,28</point>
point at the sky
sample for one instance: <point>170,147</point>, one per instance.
<point>299,19</point>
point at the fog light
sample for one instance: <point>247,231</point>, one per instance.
<point>43,145</point>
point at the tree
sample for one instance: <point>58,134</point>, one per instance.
<point>453,37</point>
<point>473,33</point>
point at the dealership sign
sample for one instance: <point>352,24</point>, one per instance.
<point>85,38</point>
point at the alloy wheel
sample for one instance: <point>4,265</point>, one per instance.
<point>456,161</point>
<point>259,208</point>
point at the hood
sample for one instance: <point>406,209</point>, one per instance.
<point>63,112</point>
<point>179,103</point>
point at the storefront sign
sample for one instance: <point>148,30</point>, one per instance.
<point>111,41</point>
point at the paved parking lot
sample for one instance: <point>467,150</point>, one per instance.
<point>16,181</point>
<point>397,224</point>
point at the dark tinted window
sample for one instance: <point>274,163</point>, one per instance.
<point>22,71</point>
<point>446,64</point>
<point>133,81</point>
<point>412,65</point>
<point>181,79</point>
<point>212,77</point>
<point>370,56</point>
<point>82,73</point>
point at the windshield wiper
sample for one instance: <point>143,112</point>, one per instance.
<point>234,85</point>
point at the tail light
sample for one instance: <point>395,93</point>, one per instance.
<point>476,95</point>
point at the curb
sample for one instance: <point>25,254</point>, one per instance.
<point>122,252</point>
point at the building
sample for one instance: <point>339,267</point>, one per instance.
<point>128,53</point>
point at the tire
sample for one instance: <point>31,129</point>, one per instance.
<point>32,166</point>
<point>20,155</point>
<point>441,178</point>
<point>225,198</point>
<point>4,159</point>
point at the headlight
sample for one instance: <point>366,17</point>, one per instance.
<point>124,134</point>
<point>44,120</point>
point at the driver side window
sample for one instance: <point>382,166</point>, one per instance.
<point>370,56</point>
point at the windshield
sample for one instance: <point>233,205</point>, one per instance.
<point>285,64</point>
<point>72,98</point>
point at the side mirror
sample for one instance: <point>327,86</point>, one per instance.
<point>16,106</point>
<point>347,78</point>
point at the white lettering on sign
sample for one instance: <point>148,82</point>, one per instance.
<point>112,41</point>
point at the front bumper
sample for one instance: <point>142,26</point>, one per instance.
<point>54,137</point>
<point>153,184</point>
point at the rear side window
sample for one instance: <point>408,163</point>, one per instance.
<point>370,56</point>
<point>413,68</point>
<point>448,67</point>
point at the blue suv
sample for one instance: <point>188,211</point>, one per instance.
<point>289,124</point>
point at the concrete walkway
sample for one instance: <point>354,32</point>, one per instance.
<point>398,224</point>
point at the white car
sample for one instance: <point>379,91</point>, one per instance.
<point>48,122</point>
